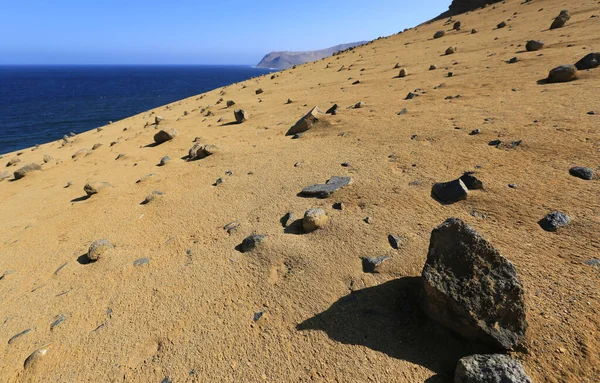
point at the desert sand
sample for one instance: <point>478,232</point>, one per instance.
<point>200,310</point>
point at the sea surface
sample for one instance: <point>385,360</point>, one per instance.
<point>39,104</point>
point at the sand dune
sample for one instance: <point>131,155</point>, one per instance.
<point>175,299</point>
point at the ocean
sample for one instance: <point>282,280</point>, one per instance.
<point>39,104</point>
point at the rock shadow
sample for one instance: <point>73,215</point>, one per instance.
<point>230,123</point>
<point>295,227</point>
<point>152,145</point>
<point>84,260</point>
<point>387,318</point>
<point>79,199</point>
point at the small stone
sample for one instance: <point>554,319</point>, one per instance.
<point>411,95</point>
<point>314,219</point>
<point>80,153</point>
<point>119,156</point>
<point>141,262</point>
<point>497,368</point>
<point>230,103</point>
<point>258,91</point>
<point>332,110</point>
<point>287,219</point>
<point>356,82</point>
<point>252,242</point>
<point>92,188</point>
<point>372,264</point>
<point>25,170</point>
<point>394,241</point>
<point>240,115</point>
<point>144,178</point>
<point>96,146</point>
<point>563,73</point>
<point>47,158</point>
<point>512,186</point>
<point>439,34</point>
<point>582,172</point>
<point>513,60</point>
<point>471,182</point>
<point>590,61</point>
<point>560,20</point>
<point>368,220</point>
<point>57,320</point>
<point>325,190</point>
<point>231,227</point>
<point>473,31</point>
<point>501,25</point>
<point>534,45</point>
<point>259,315</point>
<point>402,112</point>
<point>495,143</point>
<point>450,192</point>
<point>289,101</point>
<point>218,182</point>
<point>432,67</point>
<point>359,105</point>
<point>152,196</point>
<point>450,50</point>
<point>474,132</point>
<point>554,220</point>
<point>403,73</point>
<point>98,248</point>
<point>165,135</point>
<point>164,160</point>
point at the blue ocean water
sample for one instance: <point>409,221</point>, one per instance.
<point>39,104</point>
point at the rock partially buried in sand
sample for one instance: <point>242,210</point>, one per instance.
<point>502,24</point>
<point>35,357</point>
<point>314,219</point>
<point>47,158</point>
<point>306,122</point>
<point>164,160</point>
<point>26,169</point>
<point>325,190</point>
<point>196,152</point>
<point>534,45</point>
<point>560,20</point>
<point>471,288</point>
<point>403,73</point>
<point>450,192</point>
<point>98,248</point>
<point>80,153</point>
<point>563,73</point>
<point>554,220</point>
<point>230,103</point>
<point>240,115</point>
<point>152,196</point>
<point>252,242</point>
<point>332,110</point>
<point>92,188</point>
<point>13,161</point>
<point>450,50</point>
<point>582,172</point>
<point>165,135</point>
<point>439,34</point>
<point>496,368</point>
<point>589,61</point>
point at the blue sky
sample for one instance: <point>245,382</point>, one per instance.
<point>193,32</point>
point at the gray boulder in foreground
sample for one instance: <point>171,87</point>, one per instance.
<point>470,288</point>
<point>495,368</point>
<point>26,169</point>
<point>306,122</point>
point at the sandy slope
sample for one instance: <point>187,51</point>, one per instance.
<point>188,314</point>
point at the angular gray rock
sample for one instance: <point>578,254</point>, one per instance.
<point>534,45</point>
<point>252,242</point>
<point>165,135</point>
<point>152,196</point>
<point>563,73</point>
<point>197,151</point>
<point>372,264</point>
<point>164,160</point>
<point>394,241</point>
<point>560,20</point>
<point>450,192</point>
<point>306,122</point>
<point>240,115</point>
<point>495,368</point>
<point>32,167</point>
<point>325,190</point>
<point>471,288</point>
<point>92,188</point>
<point>582,172</point>
<point>554,220</point>
<point>450,50</point>
<point>332,110</point>
<point>589,61</point>
<point>502,24</point>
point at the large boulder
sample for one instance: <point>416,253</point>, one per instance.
<point>589,61</point>
<point>165,135</point>
<point>306,122</point>
<point>471,288</point>
<point>26,169</point>
<point>496,368</point>
<point>563,73</point>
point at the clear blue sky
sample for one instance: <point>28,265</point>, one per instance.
<point>193,32</point>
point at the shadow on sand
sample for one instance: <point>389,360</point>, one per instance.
<point>387,318</point>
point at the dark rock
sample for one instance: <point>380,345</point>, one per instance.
<point>560,20</point>
<point>356,82</point>
<point>582,172</point>
<point>325,190</point>
<point>534,45</point>
<point>197,152</point>
<point>474,132</point>
<point>240,115</point>
<point>554,220</point>
<point>450,50</point>
<point>496,368</point>
<point>358,105</point>
<point>332,110</point>
<point>456,26</point>
<point>495,143</point>
<point>287,219</point>
<point>590,61</point>
<point>403,73</point>
<point>512,186</point>
<point>368,220</point>
<point>152,196</point>
<point>473,31</point>
<point>307,122</point>
<point>471,182</point>
<point>411,95</point>
<point>471,288</point>
<point>164,160</point>
<point>230,103</point>
<point>501,25</point>
<point>450,192</point>
<point>57,320</point>
<point>338,206</point>
<point>165,135</point>
<point>372,264</point>
<point>32,167</point>
<point>563,73</point>
<point>259,91</point>
<point>252,242</point>
<point>432,67</point>
<point>402,112</point>
<point>394,241</point>
<point>513,60</point>
<point>439,34</point>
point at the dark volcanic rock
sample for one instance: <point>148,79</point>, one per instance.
<point>306,122</point>
<point>534,45</point>
<point>439,34</point>
<point>252,242</point>
<point>561,20</point>
<point>450,192</point>
<point>332,110</point>
<point>582,172</point>
<point>471,182</point>
<point>165,135</point>
<point>563,73</point>
<point>325,190</point>
<point>554,220</point>
<point>501,25</point>
<point>590,61</point>
<point>240,115</point>
<point>471,288</point>
<point>495,368</point>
